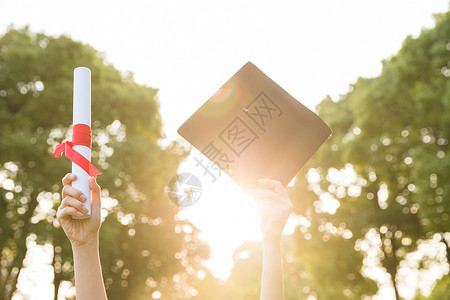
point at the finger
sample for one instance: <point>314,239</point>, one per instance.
<point>67,212</point>
<point>279,212</point>
<point>275,203</point>
<point>96,192</point>
<point>274,206</point>
<point>278,188</point>
<point>258,194</point>
<point>69,191</point>
<point>72,202</point>
<point>275,185</point>
<point>67,180</point>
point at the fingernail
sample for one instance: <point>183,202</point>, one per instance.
<point>84,209</point>
<point>79,213</point>
<point>83,198</point>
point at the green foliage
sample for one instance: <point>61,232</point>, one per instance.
<point>393,131</point>
<point>440,290</point>
<point>142,247</point>
<point>390,136</point>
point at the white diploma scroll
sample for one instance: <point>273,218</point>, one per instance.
<point>82,115</point>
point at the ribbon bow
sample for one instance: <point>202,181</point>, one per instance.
<point>81,136</point>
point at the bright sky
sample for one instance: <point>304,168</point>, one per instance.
<point>188,49</point>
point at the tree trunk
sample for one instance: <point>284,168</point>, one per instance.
<point>2,279</point>
<point>391,264</point>
<point>3,235</point>
<point>397,296</point>
<point>11,279</point>
<point>11,283</point>
<point>392,270</point>
<point>15,279</point>
<point>56,284</point>
<point>57,277</point>
<point>447,247</point>
<point>6,284</point>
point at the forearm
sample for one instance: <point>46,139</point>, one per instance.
<point>88,274</point>
<point>272,272</point>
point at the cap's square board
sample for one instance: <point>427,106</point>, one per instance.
<point>251,128</point>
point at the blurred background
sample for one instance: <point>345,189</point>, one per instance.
<point>371,217</point>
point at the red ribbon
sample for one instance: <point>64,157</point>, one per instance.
<point>81,136</point>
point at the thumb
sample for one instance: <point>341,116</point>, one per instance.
<point>96,192</point>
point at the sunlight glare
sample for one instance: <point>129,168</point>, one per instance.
<point>37,275</point>
<point>328,204</point>
<point>225,216</point>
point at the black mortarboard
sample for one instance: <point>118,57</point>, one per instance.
<point>251,128</point>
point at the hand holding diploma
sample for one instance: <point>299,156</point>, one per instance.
<point>83,235</point>
<point>79,232</point>
<point>79,149</point>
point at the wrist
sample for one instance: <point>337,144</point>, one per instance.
<point>88,245</point>
<point>271,243</point>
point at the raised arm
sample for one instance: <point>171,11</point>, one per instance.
<point>83,235</point>
<point>274,208</point>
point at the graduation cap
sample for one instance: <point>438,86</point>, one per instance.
<point>251,128</point>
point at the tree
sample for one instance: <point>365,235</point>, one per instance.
<point>143,244</point>
<point>440,290</point>
<point>378,187</point>
<point>392,132</point>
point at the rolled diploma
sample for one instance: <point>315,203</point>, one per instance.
<point>82,115</point>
